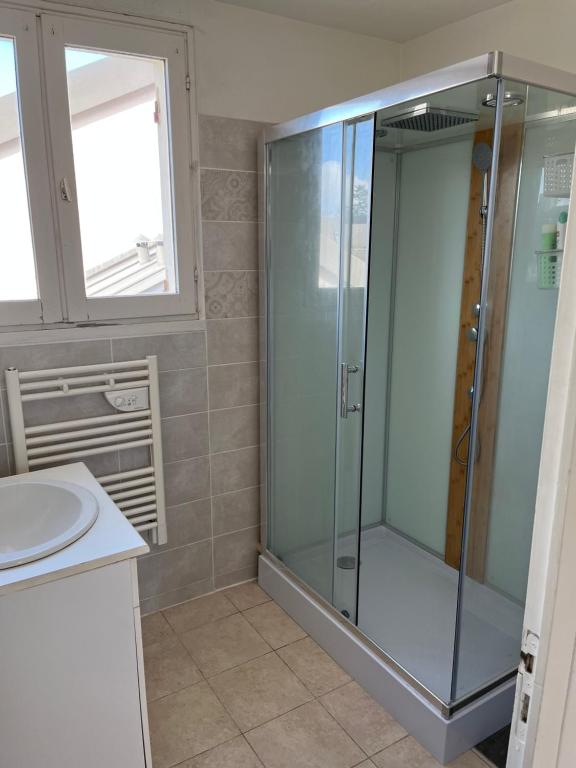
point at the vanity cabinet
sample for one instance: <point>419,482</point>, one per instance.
<point>71,673</point>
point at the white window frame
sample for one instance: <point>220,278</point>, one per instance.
<point>56,228</point>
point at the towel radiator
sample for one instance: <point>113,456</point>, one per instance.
<point>139,493</point>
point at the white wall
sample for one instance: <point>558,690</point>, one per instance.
<point>540,30</point>
<point>257,66</point>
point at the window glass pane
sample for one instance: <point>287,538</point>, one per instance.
<point>120,138</point>
<point>17,267</point>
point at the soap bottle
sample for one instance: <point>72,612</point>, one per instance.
<point>561,230</point>
<point>548,237</point>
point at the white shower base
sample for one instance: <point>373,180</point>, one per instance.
<point>444,737</point>
<point>407,606</point>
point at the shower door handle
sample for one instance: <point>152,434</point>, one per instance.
<point>345,409</point>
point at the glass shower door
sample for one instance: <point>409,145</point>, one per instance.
<point>357,194</point>
<point>535,167</point>
<point>319,190</point>
<point>304,235</point>
<point>431,182</point>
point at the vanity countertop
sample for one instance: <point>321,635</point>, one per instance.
<point>111,539</point>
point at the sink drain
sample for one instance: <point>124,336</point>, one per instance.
<point>346,562</point>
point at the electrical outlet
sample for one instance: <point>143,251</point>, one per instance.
<point>129,399</point>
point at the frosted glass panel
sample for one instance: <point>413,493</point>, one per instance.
<point>433,205</point>
<point>376,374</point>
<point>424,282</point>
<point>515,389</point>
<point>304,269</point>
<point>353,299</point>
<point>526,363</point>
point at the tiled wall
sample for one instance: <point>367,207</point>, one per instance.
<point>208,387</point>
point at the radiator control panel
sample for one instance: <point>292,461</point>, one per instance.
<point>129,399</point>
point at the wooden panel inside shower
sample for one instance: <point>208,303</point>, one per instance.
<point>503,232</point>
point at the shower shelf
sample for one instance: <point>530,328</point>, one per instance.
<point>558,171</point>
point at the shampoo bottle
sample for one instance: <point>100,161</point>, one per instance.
<point>561,230</point>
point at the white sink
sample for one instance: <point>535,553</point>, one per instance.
<point>40,517</point>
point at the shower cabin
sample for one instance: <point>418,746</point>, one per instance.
<point>412,254</point>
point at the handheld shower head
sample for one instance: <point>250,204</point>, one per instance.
<point>482,156</point>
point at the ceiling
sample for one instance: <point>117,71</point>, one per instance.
<point>398,20</point>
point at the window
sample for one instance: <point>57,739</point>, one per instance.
<point>96,170</point>
<point>13,195</point>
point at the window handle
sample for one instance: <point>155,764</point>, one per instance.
<point>65,193</point>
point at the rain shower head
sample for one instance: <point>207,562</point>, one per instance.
<point>425,117</point>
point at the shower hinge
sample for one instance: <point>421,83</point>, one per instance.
<point>188,83</point>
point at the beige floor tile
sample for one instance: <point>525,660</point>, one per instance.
<point>306,737</point>
<point>408,753</point>
<point>247,595</point>
<point>224,644</point>
<point>236,753</point>
<point>368,764</point>
<point>184,724</point>
<point>259,690</point>
<point>196,613</point>
<point>363,718</point>
<point>275,626</point>
<point>469,760</point>
<point>168,668</point>
<point>155,628</point>
<point>313,666</point>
